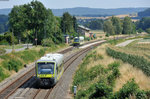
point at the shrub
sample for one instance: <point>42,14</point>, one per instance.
<point>140,94</point>
<point>128,89</point>
<point>14,65</point>
<point>138,61</point>
<point>47,42</point>
<point>148,30</point>
<point>102,91</point>
<point>107,35</point>
<point>114,65</point>
<point>2,51</point>
<point>2,74</point>
<point>42,52</point>
<point>111,80</point>
<point>87,38</point>
<point>28,55</point>
<point>4,42</point>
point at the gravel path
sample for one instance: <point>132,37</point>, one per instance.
<point>20,49</point>
<point>87,45</point>
<point>123,44</point>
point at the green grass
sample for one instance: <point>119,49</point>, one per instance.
<point>114,42</point>
<point>97,82</point>
<point>15,47</point>
<point>2,50</point>
<point>16,60</point>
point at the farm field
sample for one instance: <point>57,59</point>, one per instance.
<point>110,77</point>
<point>139,47</point>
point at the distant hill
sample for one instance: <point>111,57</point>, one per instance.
<point>145,13</point>
<point>85,11</point>
<point>5,11</point>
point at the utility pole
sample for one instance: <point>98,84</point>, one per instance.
<point>36,37</point>
<point>55,34</point>
<point>45,30</point>
<point>27,39</point>
<point>12,40</point>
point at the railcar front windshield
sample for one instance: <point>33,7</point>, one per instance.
<point>76,40</point>
<point>46,68</point>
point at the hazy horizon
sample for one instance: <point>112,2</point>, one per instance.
<point>88,7</point>
<point>58,4</point>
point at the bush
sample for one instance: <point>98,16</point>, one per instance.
<point>2,51</point>
<point>87,39</point>
<point>47,42</point>
<point>115,72</point>
<point>7,39</point>
<point>102,91</point>
<point>140,30</point>
<point>141,94</point>
<point>4,42</point>
<point>107,35</point>
<point>128,89</point>
<point>138,61</point>
<point>114,65</point>
<point>2,75</point>
<point>14,65</point>
<point>148,30</point>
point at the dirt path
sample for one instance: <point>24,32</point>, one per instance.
<point>123,44</point>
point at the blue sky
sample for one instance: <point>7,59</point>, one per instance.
<point>80,3</point>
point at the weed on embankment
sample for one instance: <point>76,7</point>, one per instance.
<point>13,62</point>
<point>96,79</point>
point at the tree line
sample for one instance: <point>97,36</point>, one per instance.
<point>34,23</point>
<point>143,25</point>
<point>115,25</point>
<point>95,24</point>
<point>145,13</point>
<point>3,23</point>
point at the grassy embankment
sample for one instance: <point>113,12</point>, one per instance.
<point>101,76</point>
<point>13,62</point>
<point>3,47</point>
<point>10,47</point>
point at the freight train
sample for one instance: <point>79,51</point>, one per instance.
<point>49,69</point>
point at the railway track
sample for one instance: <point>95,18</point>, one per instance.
<point>10,89</point>
<point>66,65</point>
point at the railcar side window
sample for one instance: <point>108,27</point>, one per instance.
<point>45,68</point>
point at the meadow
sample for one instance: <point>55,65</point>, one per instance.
<point>101,76</point>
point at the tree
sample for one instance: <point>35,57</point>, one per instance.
<point>2,28</point>
<point>148,30</point>
<point>16,21</point>
<point>33,22</point>
<point>67,23</point>
<point>127,26</point>
<point>144,23</point>
<point>140,30</point>
<point>117,25</point>
<point>74,23</point>
<point>108,27</point>
<point>28,17</point>
<point>95,24</point>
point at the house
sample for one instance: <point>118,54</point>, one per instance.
<point>84,31</point>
